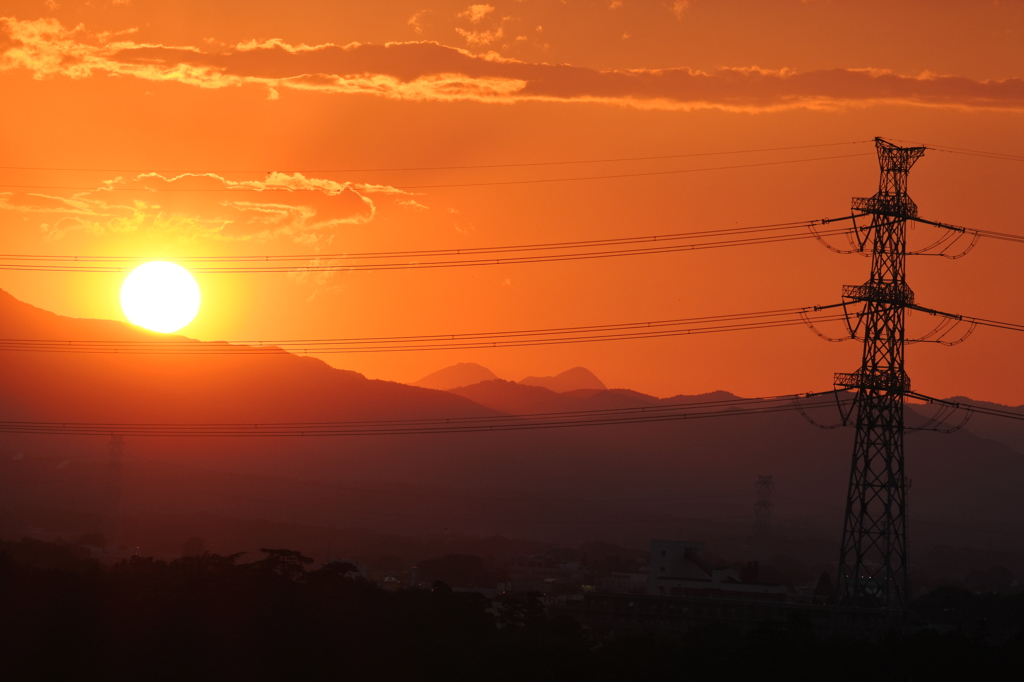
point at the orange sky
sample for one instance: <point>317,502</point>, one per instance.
<point>271,86</point>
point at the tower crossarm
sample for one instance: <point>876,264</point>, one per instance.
<point>888,206</point>
<point>892,293</point>
<point>891,199</point>
<point>890,381</point>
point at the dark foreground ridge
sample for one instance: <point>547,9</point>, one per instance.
<point>64,616</point>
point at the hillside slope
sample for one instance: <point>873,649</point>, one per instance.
<point>623,483</point>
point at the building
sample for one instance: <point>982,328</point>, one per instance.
<point>682,591</point>
<point>679,569</point>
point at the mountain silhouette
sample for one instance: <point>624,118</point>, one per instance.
<point>461,374</point>
<point>623,483</point>
<point>248,388</point>
<point>570,380</point>
<point>519,398</point>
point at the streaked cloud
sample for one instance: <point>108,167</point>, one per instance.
<point>430,71</point>
<point>205,206</point>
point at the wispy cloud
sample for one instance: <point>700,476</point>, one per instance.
<point>431,71</point>
<point>204,206</point>
<point>416,20</point>
<point>481,38</point>
<point>476,13</point>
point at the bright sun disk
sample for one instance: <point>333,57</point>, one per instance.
<point>160,296</point>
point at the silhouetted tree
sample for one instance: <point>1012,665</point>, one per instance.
<point>460,570</point>
<point>211,617</point>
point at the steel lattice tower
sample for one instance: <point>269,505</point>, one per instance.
<point>873,553</point>
<point>115,473</point>
<point>763,507</point>
<point>114,470</point>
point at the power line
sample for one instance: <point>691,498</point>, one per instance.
<point>515,248</point>
<point>1002,236</point>
<point>979,321</point>
<point>985,155</point>
<point>494,423</point>
<point>1011,326</point>
<point>976,409</point>
<point>529,337</point>
<point>991,234</point>
<point>767,319</point>
<point>561,251</point>
<point>629,175</point>
<point>450,185</point>
<point>975,152</point>
<point>440,168</point>
<point>966,152</point>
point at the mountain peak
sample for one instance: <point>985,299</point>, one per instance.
<point>462,374</point>
<point>570,380</point>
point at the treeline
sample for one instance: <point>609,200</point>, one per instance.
<point>210,617</point>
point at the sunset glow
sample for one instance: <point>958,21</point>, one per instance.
<point>530,331</point>
<point>160,296</point>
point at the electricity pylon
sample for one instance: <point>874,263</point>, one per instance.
<point>115,473</point>
<point>763,507</point>
<point>114,470</point>
<point>873,553</point>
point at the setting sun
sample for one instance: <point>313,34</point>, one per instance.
<point>587,338</point>
<point>160,296</point>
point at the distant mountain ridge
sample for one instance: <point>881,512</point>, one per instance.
<point>573,379</point>
<point>519,398</point>
<point>627,483</point>
<point>470,373</point>
<point>461,374</point>
<point>126,387</point>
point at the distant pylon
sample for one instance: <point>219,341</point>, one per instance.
<point>763,507</point>
<point>873,553</point>
<point>114,470</point>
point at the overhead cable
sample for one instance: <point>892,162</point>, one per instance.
<point>504,339</point>
<point>445,185</point>
<point>439,168</point>
<point>443,258</point>
<point>661,412</point>
<point>970,408</point>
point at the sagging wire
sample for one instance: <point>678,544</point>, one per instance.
<point>853,330</point>
<point>819,333</point>
<point>952,237</point>
<point>856,245</point>
<point>860,321</point>
<point>858,238</point>
<point>934,423</point>
<point>860,244</point>
<point>823,242</point>
<point>844,416</point>
<point>942,330</point>
<point>939,418</point>
<point>949,239</point>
